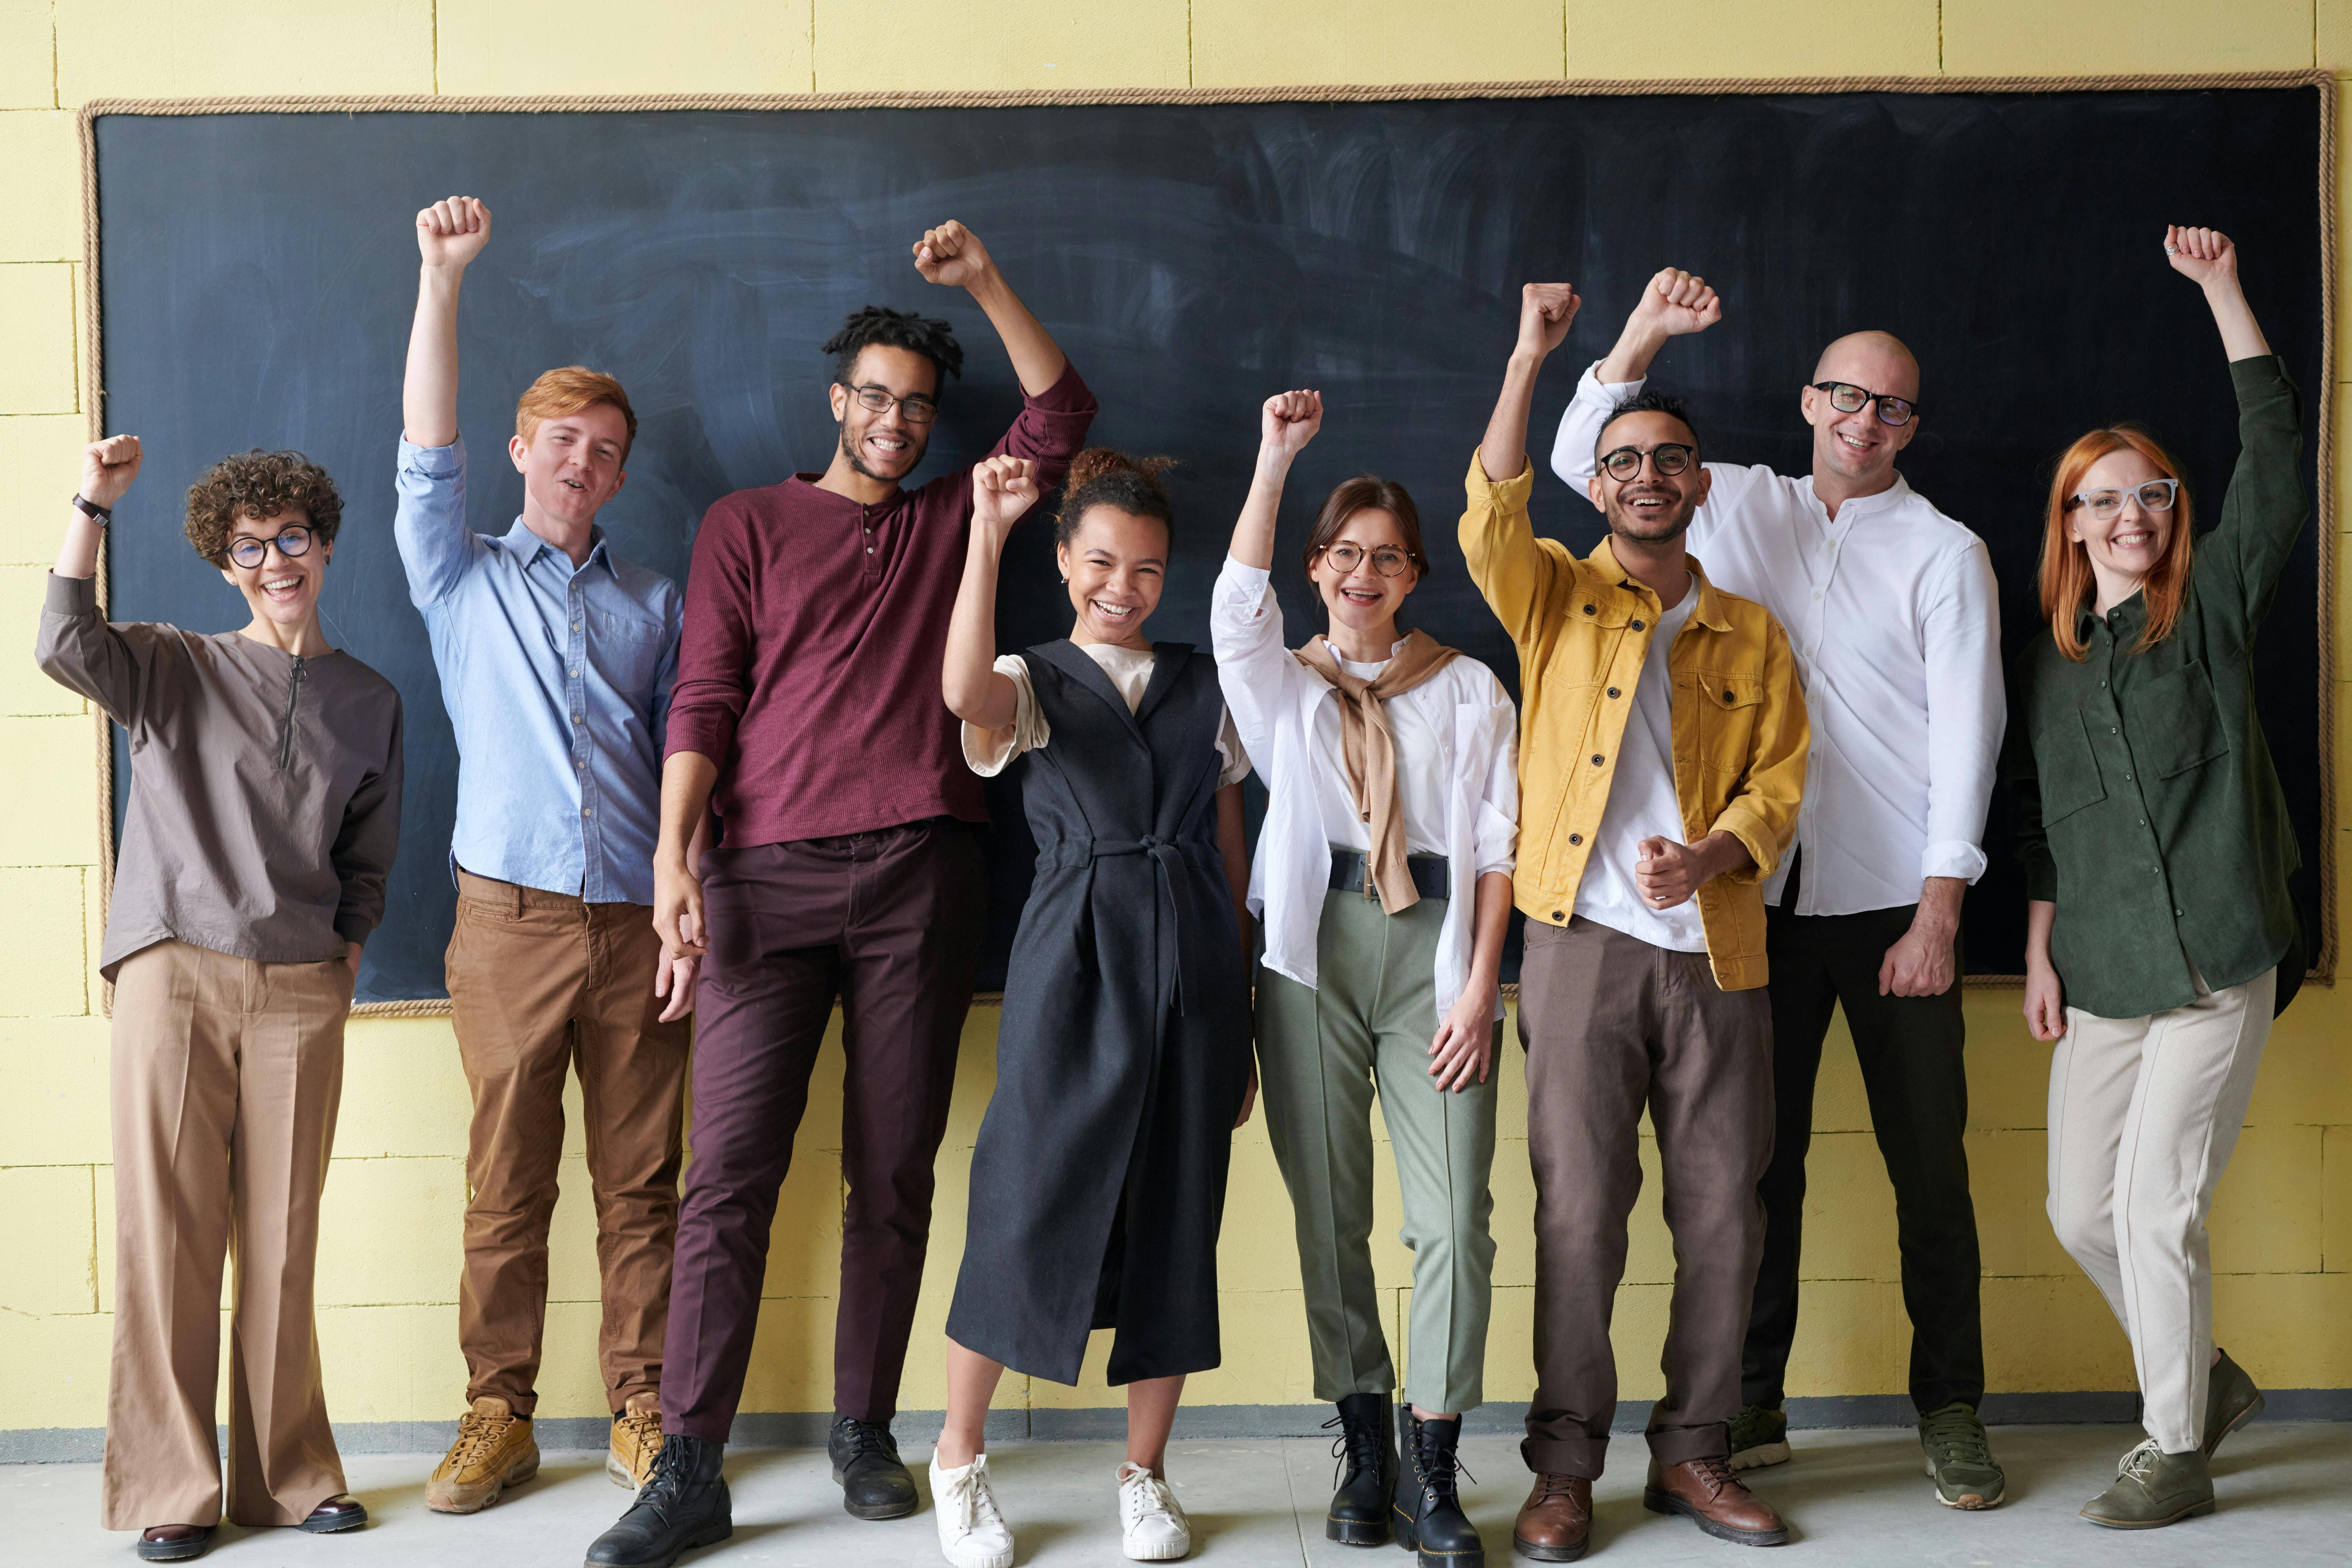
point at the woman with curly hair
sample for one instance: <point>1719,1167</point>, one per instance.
<point>264,814</point>
<point>1123,1061</point>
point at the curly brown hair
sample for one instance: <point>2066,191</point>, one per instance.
<point>1102,477</point>
<point>259,485</point>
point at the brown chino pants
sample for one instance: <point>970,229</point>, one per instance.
<point>540,982</point>
<point>1612,1023</point>
<point>227,1074</point>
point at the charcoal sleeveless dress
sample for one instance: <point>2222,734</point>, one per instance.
<point>1099,1181</point>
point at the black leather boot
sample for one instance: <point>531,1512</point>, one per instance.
<point>683,1504</point>
<point>1429,1517</point>
<point>874,1480</point>
<point>1367,1471</point>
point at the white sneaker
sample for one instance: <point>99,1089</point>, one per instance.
<point>1154,1522</point>
<point>972,1534</point>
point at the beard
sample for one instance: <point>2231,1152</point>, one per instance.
<point>1656,529</point>
<point>849,443</point>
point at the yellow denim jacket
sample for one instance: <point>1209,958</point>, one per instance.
<point>1582,629</point>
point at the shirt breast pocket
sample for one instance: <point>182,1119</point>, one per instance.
<point>2174,723</point>
<point>1729,705</point>
<point>2067,769</point>
<point>627,650</point>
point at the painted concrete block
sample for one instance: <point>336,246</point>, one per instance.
<point>804,1247</point>
<point>791,1361</point>
<point>24,690</point>
<point>1731,39</point>
<point>571,1368</point>
<point>2009,1173</point>
<point>2272,1326</point>
<point>504,46</point>
<point>42,932</point>
<point>1257,1247</point>
<point>41,183</point>
<point>390,1233</point>
<point>54,1111</point>
<point>1513,1224</point>
<point>2267,1216</point>
<point>1236,44</point>
<point>904,46</point>
<point>1849,1210</point>
<point>53,1241</point>
<point>1852,1338</point>
<point>40,462</point>
<point>28,74</point>
<point>2336,1201</point>
<point>1263,1335</point>
<point>53,817</point>
<point>2023,37</point>
<point>37,365</point>
<point>2307,1075</point>
<point>1841,1104</point>
<point>391,1363</point>
<point>54,1371</point>
<point>156,48</point>
<point>2009,1069</point>
<point>2053,1335</point>
<point>404,1090</point>
<point>2332,35</point>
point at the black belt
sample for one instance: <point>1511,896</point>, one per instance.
<point>1432,875</point>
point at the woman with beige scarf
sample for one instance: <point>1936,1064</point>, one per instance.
<point>1383,882</point>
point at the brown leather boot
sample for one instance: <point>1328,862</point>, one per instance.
<point>1708,1493</point>
<point>1556,1521</point>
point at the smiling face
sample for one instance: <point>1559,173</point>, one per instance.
<point>1860,448</point>
<point>1361,599</point>
<point>572,465</point>
<point>1650,507</point>
<point>283,589</point>
<point>2127,546</point>
<point>1117,563</point>
<point>885,445</point>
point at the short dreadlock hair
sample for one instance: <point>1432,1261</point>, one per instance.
<point>934,340</point>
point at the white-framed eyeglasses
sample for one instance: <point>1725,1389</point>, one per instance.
<point>2155,495</point>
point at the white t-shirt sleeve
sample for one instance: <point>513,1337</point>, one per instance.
<point>989,752</point>
<point>1234,765</point>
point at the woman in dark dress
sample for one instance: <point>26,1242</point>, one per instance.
<point>1123,1061</point>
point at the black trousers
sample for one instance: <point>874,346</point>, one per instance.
<point>1913,1070</point>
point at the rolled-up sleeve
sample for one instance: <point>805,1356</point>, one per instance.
<point>1258,672</point>
<point>1514,570</point>
<point>1051,428</point>
<point>369,841</point>
<point>1967,711</point>
<point>429,523</point>
<point>1588,414</point>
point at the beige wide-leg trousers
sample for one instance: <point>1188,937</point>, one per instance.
<point>225,1077</point>
<point>2144,1113</point>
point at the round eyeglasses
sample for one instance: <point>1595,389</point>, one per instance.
<point>1667,458</point>
<point>1848,398</point>
<point>915,410</point>
<point>1387,560</point>
<point>2155,495</point>
<point>292,540</point>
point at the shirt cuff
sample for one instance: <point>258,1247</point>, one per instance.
<point>433,462</point>
<point>1953,858</point>
<point>352,926</point>
<point>1591,388</point>
<point>1503,496</point>
<point>71,595</point>
<point>1069,395</point>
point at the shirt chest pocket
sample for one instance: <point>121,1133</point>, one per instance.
<point>2066,769</point>
<point>626,651</point>
<point>1729,708</point>
<point>2175,722</point>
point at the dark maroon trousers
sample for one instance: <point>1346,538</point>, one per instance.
<point>888,922</point>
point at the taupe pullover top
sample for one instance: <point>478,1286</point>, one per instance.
<point>265,789</point>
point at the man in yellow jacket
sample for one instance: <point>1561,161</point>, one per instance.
<point>1662,756</point>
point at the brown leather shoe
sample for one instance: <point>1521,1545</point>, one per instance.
<point>337,1514</point>
<point>1556,1521</point>
<point>174,1543</point>
<point>1709,1494</point>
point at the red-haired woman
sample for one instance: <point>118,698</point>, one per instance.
<point>2160,935</point>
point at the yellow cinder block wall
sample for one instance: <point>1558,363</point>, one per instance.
<point>2284,1227</point>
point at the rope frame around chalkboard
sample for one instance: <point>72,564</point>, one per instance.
<point>2323,965</point>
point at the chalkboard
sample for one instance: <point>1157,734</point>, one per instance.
<point>258,272</point>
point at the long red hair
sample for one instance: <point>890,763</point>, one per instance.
<point>2066,582</point>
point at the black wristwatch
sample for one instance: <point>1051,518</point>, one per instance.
<point>101,515</point>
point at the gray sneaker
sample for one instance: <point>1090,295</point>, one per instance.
<point>2154,1488</point>
<point>2231,1401</point>
<point>1959,1458</point>
<point>1758,1438</point>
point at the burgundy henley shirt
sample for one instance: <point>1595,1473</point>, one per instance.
<point>815,628</point>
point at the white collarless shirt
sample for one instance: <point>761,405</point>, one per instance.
<point>1891,610</point>
<point>1642,804</point>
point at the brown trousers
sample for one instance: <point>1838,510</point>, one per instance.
<point>1612,1023</point>
<point>225,1079</point>
<point>538,983</point>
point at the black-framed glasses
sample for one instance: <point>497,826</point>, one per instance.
<point>292,540</point>
<point>1387,559</point>
<point>2155,495</point>
<point>1848,398</point>
<point>1667,458</point>
<point>917,409</point>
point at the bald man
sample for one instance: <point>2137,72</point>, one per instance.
<point>1890,607</point>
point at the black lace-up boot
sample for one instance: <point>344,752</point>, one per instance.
<point>683,1504</point>
<point>874,1480</point>
<point>1429,1517</point>
<point>1367,1473</point>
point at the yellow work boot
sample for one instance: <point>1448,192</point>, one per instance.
<point>495,1449</point>
<point>636,1441</point>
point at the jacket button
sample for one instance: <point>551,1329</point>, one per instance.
<point>1558,916</point>
<point>1587,609</point>
<point>1576,838</point>
<point>1726,695</point>
<point>1612,692</point>
<point>1637,626</point>
<point>1596,759</point>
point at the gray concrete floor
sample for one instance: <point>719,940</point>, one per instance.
<point>1855,1496</point>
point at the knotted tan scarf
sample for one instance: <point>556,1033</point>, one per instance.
<point>1369,747</point>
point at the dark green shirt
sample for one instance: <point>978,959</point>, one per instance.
<point>2148,807</point>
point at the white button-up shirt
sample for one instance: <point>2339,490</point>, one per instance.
<point>1457,740</point>
<point>1891,609</point>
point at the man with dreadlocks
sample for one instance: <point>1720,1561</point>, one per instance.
<point>807,716</point>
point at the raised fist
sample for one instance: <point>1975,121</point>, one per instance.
<point>452,232</point>
<point>1002,489</point>
<point>1288,422</point>
<point>1676,302</point>
<point>108,467</point>
<point>2205,255</point>
<point>952,254</point>
<point>1545,309</point>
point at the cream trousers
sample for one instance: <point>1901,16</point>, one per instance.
<point>2143,1115</point>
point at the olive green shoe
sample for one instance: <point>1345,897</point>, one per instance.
<point>2154,1488</point>
<point>1959,1458</point>
<point>2231,1401</point>
<point>1758,1438</point>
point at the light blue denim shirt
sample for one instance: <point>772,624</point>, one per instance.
<point>558,682</point>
